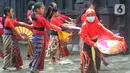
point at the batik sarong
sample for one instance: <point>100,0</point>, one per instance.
<point>54,46</point>
<point>12,57</point>
<point>37,62</point>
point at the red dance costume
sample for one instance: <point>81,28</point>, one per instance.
<point>12,51</point>
<point>89,32</point>
<point>58,21</point>
<point>39,42</point>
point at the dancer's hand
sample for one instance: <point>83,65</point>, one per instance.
<point>95,45</point>
<point>70,35</point>
<point>59,29</point>
<point>121,38</point>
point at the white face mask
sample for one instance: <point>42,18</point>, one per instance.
<point>91,19</point>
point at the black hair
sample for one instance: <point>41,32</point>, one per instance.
<point>55,10</point>
<point>52,4</point>
<point>30,4</point>
<point>6,10</point>
<point>87,5</point>
<point>36,5</point>
<point>49,10</point>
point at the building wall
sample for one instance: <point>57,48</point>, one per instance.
<point>127,25</point>
<point>2,3</point>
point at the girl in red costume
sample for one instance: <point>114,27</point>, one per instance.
<point>39,24</point>
<point>54,45</point>
<point>81,19</point>
<point>63,19</point>
<point>91,30</point>
<point>12,57</point>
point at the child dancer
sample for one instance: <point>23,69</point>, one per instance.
<point>54,44</point>
<point>39,24</point>
<point>91,30</point>
<point>12,57</point>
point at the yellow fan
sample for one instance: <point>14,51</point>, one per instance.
<point>28,33</point>
<point>64,36</point>
<point>24,31</point>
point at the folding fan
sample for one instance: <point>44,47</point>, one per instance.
<point>64,36</point>
<point>112,46</point>
<point>24,31</point>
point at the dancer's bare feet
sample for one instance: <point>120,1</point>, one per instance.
<point>28,58</point>
<point>18,68</point>
<point>55,63</point>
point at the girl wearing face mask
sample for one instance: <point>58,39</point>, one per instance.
<point>12,56</point>
<point>39,24</point>
<point>90,31</point>
<point>99,58</point>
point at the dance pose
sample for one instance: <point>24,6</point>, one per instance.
<point>55,43</point>
<point>12,57</point>
<point>91,30</point>
<point>39,24</point>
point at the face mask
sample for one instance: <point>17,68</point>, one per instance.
<point>91,19</point>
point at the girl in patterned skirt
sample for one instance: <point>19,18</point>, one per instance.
<point>39,25</point>
<point>12,57</point>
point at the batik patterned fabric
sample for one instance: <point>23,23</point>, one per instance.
<point>30,49</point>
<point>37,62</point>
<point>54,46</point>
<point>12,57</point>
